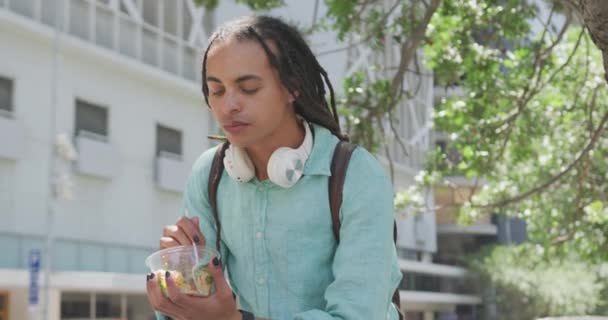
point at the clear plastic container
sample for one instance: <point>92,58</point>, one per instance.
<point>189,270</point>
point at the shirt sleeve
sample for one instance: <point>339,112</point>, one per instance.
<point>365,267</point>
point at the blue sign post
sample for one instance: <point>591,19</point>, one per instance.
<point>34,263</point>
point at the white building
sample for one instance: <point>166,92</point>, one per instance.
<point>121,78</point>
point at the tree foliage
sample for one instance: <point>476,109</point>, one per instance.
<point>532,121</point>
<point>526,286</point>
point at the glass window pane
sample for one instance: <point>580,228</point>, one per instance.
<point>65,255</point>
<point>117,260</point>
<point>170,17</point>
<point>150,12</point>
<point>92,257</point>
<point>138,308</point>
<point>91,118</point>
<point>128,34</point>
<point>75,305</point>
<point>6,94</point>
<point>186,22</point>
<point>79,19</point>
<point>107,306</point>
<point>9,246</point>
<point>104,30</point>
<point>136,260</point>
<point>24,7</point>
<point>168,140</point>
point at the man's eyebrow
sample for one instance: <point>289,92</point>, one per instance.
<point>238,80</point>
<point>247,77</point>
<point>214,79</point>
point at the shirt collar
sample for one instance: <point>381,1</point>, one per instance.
<point>319,161</point>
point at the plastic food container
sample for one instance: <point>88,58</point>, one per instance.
<point>189,269</point>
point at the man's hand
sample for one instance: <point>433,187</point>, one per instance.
<point>184,233</point>
<point>219,306</point>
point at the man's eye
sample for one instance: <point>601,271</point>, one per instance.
<point>217,93</point>
<point>250,91</point>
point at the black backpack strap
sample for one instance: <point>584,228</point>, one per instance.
<point>339,166</point>
<point>215,174</point>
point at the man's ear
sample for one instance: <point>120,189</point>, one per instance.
<point>293,96</point>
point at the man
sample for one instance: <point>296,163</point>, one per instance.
<point>266,90</point>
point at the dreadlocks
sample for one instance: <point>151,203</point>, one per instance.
<point>298,68</point>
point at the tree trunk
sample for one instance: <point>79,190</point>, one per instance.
<point>595,16</point>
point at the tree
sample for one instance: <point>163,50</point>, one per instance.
<point>533,121</point>
<point>525,286</point>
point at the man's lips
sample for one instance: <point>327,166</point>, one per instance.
<point>235,127</point>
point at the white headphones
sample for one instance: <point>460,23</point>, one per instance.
<point>285,166</point>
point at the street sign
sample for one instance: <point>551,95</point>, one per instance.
<point>34,263</point>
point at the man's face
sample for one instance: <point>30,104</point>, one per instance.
<point>246,96</point>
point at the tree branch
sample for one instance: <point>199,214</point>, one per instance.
<point>596,135</point>
<point>367,37</point>
<point>410,45</point>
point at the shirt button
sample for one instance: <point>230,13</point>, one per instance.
<point>261,281</point>
<point>259,235</point>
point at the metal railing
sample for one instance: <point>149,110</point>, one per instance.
<point>114,30</point>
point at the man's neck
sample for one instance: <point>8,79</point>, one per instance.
<point>290,135</point>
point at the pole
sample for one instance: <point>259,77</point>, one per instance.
<point>51,169</point>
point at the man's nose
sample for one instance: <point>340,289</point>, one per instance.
<point>231,104</point>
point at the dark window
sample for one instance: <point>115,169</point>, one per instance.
<point>91,118</point>
<point>75,305</point>
<point>138,308</point>
<point>6,94</point>
<point>168,140</point>
<point>150,12</point>
<point>107,306</point>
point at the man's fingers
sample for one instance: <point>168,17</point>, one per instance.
<point>177,234</point>
<point>221,286</point>
<point>195,221</point>
<point>174,294</point>
<point>168,242</point>
<point>191,229</point>
<point>157,300</point>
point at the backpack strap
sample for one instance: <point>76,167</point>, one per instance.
<point>215,174</point>
<point>339,166</point>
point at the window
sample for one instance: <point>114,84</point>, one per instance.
<point>6,94</point>
<point>108,306</point>
<point>138,308</point>
<point>91,118</point>
<point>150,12</point>
<point>103,306</point>
<point>4,304</point>
<point>75,305</point>
<point>168,141</point>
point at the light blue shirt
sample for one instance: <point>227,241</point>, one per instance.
<point>282,259</point>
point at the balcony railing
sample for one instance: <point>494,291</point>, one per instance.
<point>116,30</point>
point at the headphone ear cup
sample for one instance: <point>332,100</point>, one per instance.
<point>286,166</point>
<point>238,165</point>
